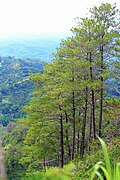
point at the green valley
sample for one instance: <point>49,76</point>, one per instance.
<point>65,108</point>
<point>15,87</point>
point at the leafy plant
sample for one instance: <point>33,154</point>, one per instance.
<point>105,170</point>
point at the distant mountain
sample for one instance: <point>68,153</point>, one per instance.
<point>21,55</point>
<point>15,88</point>
<point>30,46</point>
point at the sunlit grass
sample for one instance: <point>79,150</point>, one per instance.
<point>55,173</point>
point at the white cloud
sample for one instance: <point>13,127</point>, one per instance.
<point>36,16</point>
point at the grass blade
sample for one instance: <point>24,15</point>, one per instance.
<point>106,157</point>
<point>117,171</point>
<point>95,169</point>
<point>99,175</point>
<point>106,173</point>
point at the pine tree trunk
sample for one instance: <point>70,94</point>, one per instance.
<point>61,139</point>
<point>90,132</point>
<point>67,138</point>
<point>93,115</point>
<point>73,123</point>
<point>78,142</point>
<point>78,138</point>
<point>44,164</point>
<point>84,125</point>
<point>101,108</point>
<point>93,98</point>
<point>58,159</point>
<point>101,94</point>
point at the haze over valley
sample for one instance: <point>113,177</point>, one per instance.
<point>34,46</point>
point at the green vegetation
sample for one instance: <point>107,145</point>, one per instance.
<point>109,173</point>
<point>65,173</point>
<point>70,106</point>
<point>15,88</point>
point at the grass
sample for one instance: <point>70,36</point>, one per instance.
<point>104,170</point>
<point>55,173</point>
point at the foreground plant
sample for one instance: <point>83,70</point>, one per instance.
<point>105,170</point>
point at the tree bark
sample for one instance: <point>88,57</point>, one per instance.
<point>90,133</point>
<point>67,138</point>
<point>73,123</point>
<point>93,98</point>
<point>61,139</point>
<point>84,125</point>
<point>44,164</point>
<point>78,137</point>
<point>101,94</point>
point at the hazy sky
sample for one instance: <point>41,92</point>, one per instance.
<point>38,16</point>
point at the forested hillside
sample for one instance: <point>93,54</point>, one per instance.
<point>15,87</point>
<point>76,99</point>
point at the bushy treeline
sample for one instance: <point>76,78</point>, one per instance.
<point>70,105</point>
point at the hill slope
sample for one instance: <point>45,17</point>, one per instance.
<point>15,88</point>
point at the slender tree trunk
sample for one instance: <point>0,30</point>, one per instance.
<point>44,164</point>
<point>67,138</point>
<point>78,142</point>
<point>73,122</point>
<point>78,138</point>
<point>90,133</point>
<point>93,98</point>
<point>84,125</point>
<point>101,108</point>
<point>93,115</point>
<point>58,159</point>
<point>101,94</point>
<point>61,139</point>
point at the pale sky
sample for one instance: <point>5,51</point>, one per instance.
<point>43,16</point>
